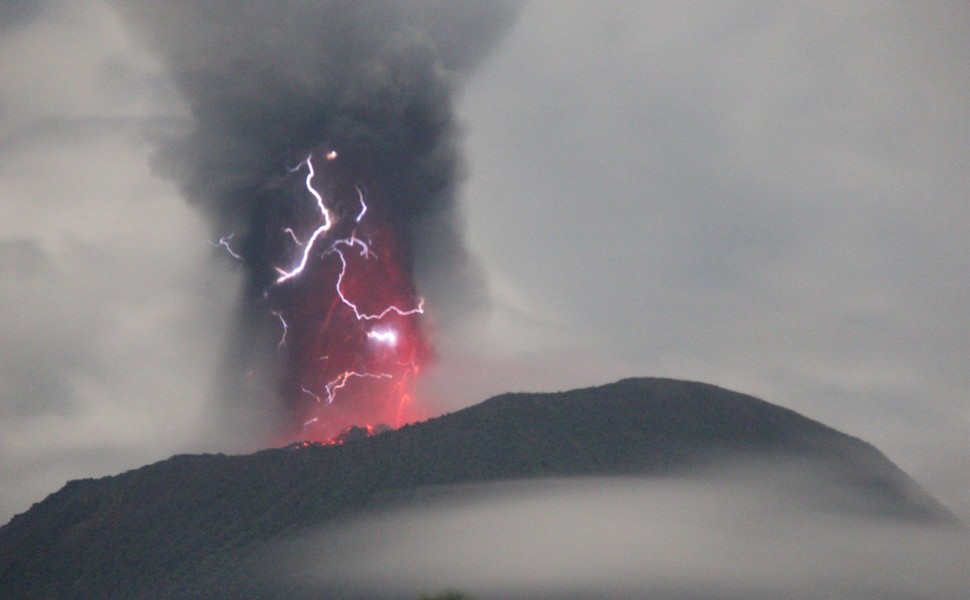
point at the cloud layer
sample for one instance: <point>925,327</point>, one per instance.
<point>744,534</point>
<point>772,198</point>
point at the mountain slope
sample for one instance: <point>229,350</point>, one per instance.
<point>185,526</point>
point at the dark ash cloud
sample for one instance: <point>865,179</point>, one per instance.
<point>270,84</point>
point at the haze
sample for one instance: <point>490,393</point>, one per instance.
<point>771,197</point>
<point>749,532</point>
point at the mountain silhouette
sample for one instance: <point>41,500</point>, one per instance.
<point>186,527</point>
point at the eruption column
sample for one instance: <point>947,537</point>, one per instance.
<point>340,347</point>
<point>377,79</point>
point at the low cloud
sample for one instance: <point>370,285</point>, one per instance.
<point>748,533</point>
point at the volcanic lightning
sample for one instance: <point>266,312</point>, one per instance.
<point>224,243</point>
<point>363,205</point>
<point>386,336</point>
<point>329,145</point>
<point>323,228</point>
<point>363,316</point>
<point>326,332</point>
<point>282,342</point>
<point>341,381</point>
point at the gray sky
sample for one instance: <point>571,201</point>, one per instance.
<point>771,197</point>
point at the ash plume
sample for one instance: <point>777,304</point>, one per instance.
<point>271,85</point>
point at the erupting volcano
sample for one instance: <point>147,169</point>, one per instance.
<point>348,311</point>
<point>324,149</point>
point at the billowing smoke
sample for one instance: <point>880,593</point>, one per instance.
<point>324,150</point>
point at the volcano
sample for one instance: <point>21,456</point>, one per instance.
<point>192,526</point>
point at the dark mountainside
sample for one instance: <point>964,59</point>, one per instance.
<point>185,527</point>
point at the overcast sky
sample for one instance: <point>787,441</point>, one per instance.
<point>771,197</point>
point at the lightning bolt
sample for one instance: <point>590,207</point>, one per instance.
<point>292,233</point>
<point>341,381</point>
<point>363,205</point>
<point>340,247</point>
<point>351,241</point>
<point>323,228</point>
<point>361,316</point>
<point>309,393</point>
<point>286,328</point>
<point>224,242</point>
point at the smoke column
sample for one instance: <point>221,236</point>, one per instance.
<point>324,150</point>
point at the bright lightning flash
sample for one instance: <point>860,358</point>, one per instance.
<point>341,381</point>
<point>383,336</point>
<point>314,332</point>
<point>323,228</point>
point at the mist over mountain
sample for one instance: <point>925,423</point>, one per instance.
<point>217,526</point>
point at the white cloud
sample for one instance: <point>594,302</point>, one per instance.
<point>744,534</point>
<point>112,320</point>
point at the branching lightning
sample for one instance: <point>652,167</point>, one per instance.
<point>224,242</point>
<point>323,228</point>
<point>341,381</point>
<point>362,316</point>
<point>329,245</point>
<point>367,364</point>
<point>286,328</point>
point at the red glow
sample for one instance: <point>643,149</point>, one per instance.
<point>349,434</point>
<point>343,365</point>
